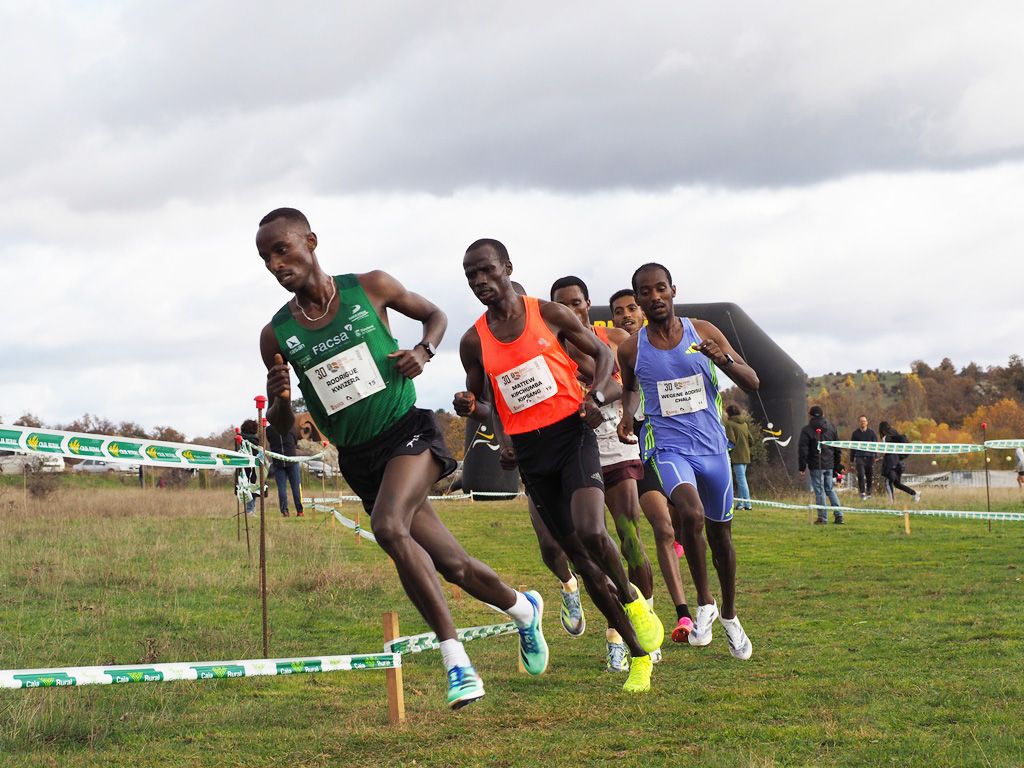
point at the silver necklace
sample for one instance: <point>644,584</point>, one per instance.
<point>334,293</point>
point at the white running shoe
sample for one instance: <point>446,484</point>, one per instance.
<point>700,635</point>
<point>917,497</point>
<point>655,656</point>
<point>739,644</point>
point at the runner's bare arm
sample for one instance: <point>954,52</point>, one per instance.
<point>475,399</point>
<point>279,382</point>
<point>715,347</point>
<point>565,325</point>
<point>586,365</point>
<point>387,293</point>
<point>467,404</point>
<point>626,357</point>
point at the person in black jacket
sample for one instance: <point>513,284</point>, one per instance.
<point>823,461</point>
<point>862,460</point>
<point>285,472</point>
<point>892,464</point>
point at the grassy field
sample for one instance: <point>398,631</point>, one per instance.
<point>870,647</point>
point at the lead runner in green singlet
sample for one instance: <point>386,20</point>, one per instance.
<point>357,384</point>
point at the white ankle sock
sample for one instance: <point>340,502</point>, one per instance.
<point>650,602</point>
<point>571,585</point>
<point>521,611</point>
<point>454,654</point>
<point>613,636</point>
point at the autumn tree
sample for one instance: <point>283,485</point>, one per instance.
<point>454,430</point>
<point>28,420</point>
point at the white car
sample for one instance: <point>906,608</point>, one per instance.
<point>320,468</point>
<point>95,465</point>
<point>12,463</point>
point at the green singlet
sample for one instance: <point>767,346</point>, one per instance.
<point>351,388</point>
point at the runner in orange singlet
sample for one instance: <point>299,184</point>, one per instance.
<point>543,427</point>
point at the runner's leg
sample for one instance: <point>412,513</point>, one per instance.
<point>624,504</point>
<point>403,490</point>
<point>550,550</point>
<point>455,565</point>
<point>658,514</point>
<point>723,556</point>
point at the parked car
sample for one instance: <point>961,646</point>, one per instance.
<point>96,465</point>
<point>14,463</point>
<point>320,468</point>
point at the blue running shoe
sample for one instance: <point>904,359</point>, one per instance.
<point>533,650</point>
<point>464,687</point>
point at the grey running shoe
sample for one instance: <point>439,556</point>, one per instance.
<point>618,658</point>
<point>573,620</point>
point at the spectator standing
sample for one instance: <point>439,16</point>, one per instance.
<point>737,431</point>
<point>892,464</point>
<point>1019,453</point>
<point>285,472</point>
<point>864,461</point>
<point>822,461</point>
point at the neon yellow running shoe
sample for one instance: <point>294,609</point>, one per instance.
<point>639,680</point>
<point>648,627</point>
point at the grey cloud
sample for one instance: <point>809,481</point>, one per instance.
<point>164,101</point>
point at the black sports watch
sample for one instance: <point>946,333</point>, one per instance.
<point>728,361</point>
<point>598,397</point>
<point>430,349</point>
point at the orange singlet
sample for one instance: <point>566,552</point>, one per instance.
<point>533,378</point>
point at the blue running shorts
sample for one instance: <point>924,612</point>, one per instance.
<point>710,475</point>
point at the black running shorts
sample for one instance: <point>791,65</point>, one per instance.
<point>649,482</point>
<point>363,465</point>
<point>555,462</point>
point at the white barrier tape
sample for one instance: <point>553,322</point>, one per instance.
<point>1004,444</point>
<point>953,513</point>
<point>60,677</point>
<point>348,523</point>
<point>123,450</point>
<point>915,449</point>
<point>428,640</point>
<point>448,497</point>
<point>294,459</point>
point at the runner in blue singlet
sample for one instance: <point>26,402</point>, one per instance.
<point>674,362</point>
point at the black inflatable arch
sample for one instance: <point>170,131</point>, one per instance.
<point>783,393</point>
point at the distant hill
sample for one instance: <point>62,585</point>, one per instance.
<point>934,405</point>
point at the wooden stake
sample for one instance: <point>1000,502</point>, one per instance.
<point>358,527</point>
<point>396,696</point>
<point>906,521</point>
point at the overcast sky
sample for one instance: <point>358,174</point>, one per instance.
<point>851,174</point>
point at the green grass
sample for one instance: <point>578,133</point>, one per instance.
<point>870,647</point>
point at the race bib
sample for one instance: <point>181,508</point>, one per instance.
<point>346,378</point>
<point>527,384</point>
<point>684,395</point>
